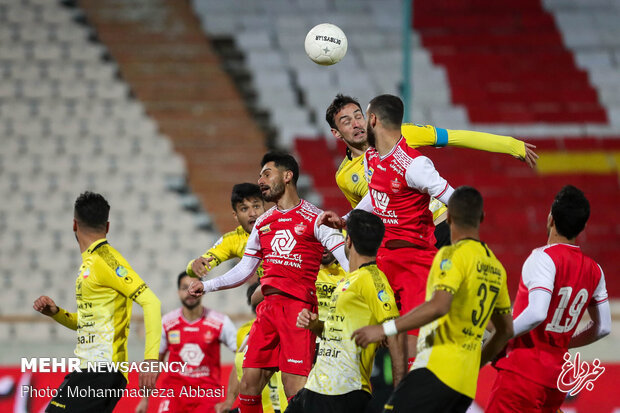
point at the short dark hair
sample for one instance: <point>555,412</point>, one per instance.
<point>282,160</point>
<point>389,109</point>
<point>92,210</point>
<point>570,211</point>
<point>366,231</point>
<point>465,207</point>
<point>180,277</point>
<point>336,106</point>
<point>243,191</point>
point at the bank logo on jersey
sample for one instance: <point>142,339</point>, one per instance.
<point>381,200</point>
<point>192,354</point>
<point>283,242</point>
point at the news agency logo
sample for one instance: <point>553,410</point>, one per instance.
<point>71,364</point>
<point>578,375</point>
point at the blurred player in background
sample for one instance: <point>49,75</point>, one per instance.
<point>346,120</point>
<point>247,205</point>
<point>290,242</point>
<point>192,334</point>
<point>466,287</point>
<point>273,397</point>
<point>104,289</point>
<point>558,284</point>
<point>340,379</point>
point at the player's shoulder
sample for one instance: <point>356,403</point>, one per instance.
<point>265,217</point>
<point>309,208</point>
<point>371,275</point>
<point>213,316</point>
<point>172,318</point>
<point>108,257</point>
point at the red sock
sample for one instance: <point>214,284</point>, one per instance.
<point>410,363</point>
<point>250,404</point>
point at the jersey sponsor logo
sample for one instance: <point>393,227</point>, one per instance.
<point>285,219</point>
<point>381,199</point>
<point>283,242</point>
<point>328,352</point>
<point>191,329</point>
<point>578,375</point>
<point>383,296</point>
<point>265,229</point>
<point>300,228</point>
<point>192,354</point>
<point>395,185</point>
<point>355,178</point>
<point>295,361</point>
<point>121,271</point>
<point>128,280</point>
<point>174,336</point>
<point>445,265</point>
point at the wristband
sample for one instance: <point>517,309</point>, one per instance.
<point>389,328</point>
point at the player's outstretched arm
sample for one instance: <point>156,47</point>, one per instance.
<point>396,347</point>
<point>48,307</point>
<point>597,328</point>
<point>310,321</point>
<point>236,276</point>
<point>503,333</point>
<point>332,220</point>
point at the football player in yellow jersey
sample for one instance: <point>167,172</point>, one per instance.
<point>247,204</point>
<point>273,397</point>
<point>466,288</point>
<point>105,288</point>
<point>346,119</point>
<point>340,378</point>
<point>328,277</point>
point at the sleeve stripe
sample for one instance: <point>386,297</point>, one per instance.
<point>601,301</point>
<point>541,288</point>
<point>342,243</point>
<point>442,137</point>
<point>257,255</point>
<point>444,191</point>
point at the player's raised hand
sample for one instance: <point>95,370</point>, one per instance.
<point>305,318</point>
<point>332,220</point>
<point>45,306</point>
<point>196,288</point>
<point>143,406</point>
<point>369,334</point>
<point>530,155</point>
<point>201,266</point>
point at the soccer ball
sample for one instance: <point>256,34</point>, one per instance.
<point>326,44</point>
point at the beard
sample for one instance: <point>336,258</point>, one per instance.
<point>190,305</point>
<point>371,138</point>
<point>274,192</point>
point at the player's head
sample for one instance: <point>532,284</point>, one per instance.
<point>250,291</point>
<point>346,120</point>
<point>386,111</point>
<point>183,282</point>
<point>279,170</point>
<point>247,204</point>
<point>90,213</point>
<point>569,212</point>
<point>465,208</point>
<point>364,233</point>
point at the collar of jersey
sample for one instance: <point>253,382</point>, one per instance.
<point>392,150</point>
<point>301,201</point>
<point>93,247</point>
<point>367,264</point>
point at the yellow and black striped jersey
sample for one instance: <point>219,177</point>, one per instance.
<point>326,281</point>
<point>450,346</point>
<point>105,289</point>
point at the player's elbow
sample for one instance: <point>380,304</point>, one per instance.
<point>603,331</point>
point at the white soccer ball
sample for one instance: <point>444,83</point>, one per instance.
<point>326,44</point>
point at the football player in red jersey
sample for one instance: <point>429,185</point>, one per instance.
<point>400,181</point>
<point>289,241</point>
<point>192,334</point>
<point>558,284</point>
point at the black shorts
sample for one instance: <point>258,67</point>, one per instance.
<point>442,234</point>
<point>78,393</point>
<point>306,401</point>
<point>422,391</point>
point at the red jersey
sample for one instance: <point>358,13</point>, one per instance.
<point>400,186</point>
<point>291,244</point>
<point>574,281</point>
<point>197,343</point>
